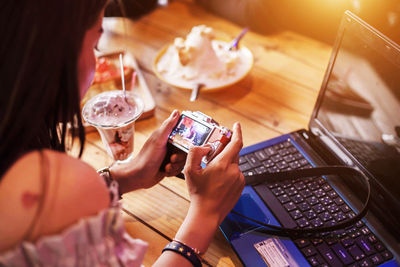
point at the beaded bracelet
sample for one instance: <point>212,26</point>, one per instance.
<point>196,251</point>
<point>106,174</point>
<point>112,185</point>
<point>184,250</point>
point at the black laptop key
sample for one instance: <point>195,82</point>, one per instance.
<point>354,232</point>
<point>329,255</point>
<point>291,191</point>
<point>253,160</point>
<point>342,254</point>
<point>268,163</point>
<point>270,151</point>
<point>318,208</point>
<point>283,152</point>
<point>339,201</point>
<point>365,230</point>
<point>276,207</point>
<point>376,259</point>
<point>356,252</point>
<point>303,206</point>
<point>245,167</point>
<point>261,170</point>
<point>316,241</point>
<point>379,246</point>
<point>333,208</point>
<point>309,251</point>
<point>284,198</point>
<point>287,144</point>
<point>278,191</point>
<point>276,158</point>
<point>249,173</point>
<point>326,216</point>
<point>261,155</point>
<point>360,224</point>
<point>345,208</point>
<point>300,186</point>
<point>303,162</point>
<point>313,261</point>
<point>331,194</point>
<point>312,200</point>
<point>289,158</point>
<point>365,263</point>
<point>303,222</point>
<point>339,216</point>
<point>326,187</point>
<point>301,243</point>
<point>306,193</point>
<point>278,146</point>
<point>273,169</point>
<point>294,150</point>
<point>319,193</point>
<point>365,246</point>
<point>297,198</point>
<point>313,185</point>
<point>316,222</point>
<point>290,206</point>
<point>387,255</point>
<point>294,164</point>
<point>310,214</point>
<point>347,241</point>
<point>296,214</point>
<point>325,201</point>
<point>282,165</point>
<point>242,160</point>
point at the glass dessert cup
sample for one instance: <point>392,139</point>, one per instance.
<point>116,129</point>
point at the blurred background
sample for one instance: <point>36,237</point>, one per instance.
<point>318,19</point>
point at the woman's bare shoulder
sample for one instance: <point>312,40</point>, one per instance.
<point>62,189</point>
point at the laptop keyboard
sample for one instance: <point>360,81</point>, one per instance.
<point>312,202</point>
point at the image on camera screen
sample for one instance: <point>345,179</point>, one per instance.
<point>189,132</point>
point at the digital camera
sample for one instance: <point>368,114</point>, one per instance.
<point>195,129</point>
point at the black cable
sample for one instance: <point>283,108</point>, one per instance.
<point>303,173</point>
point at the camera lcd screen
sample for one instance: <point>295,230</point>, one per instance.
<point>189,132</point>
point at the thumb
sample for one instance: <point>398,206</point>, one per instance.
<point>195,155</point>
<point>167,126</point>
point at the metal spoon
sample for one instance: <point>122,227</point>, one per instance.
<point>196,91</point>
<point>235,42</point>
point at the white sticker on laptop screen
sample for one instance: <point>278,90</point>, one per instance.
<point>274,253</point>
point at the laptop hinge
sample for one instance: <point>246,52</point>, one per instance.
<point>332,146</point>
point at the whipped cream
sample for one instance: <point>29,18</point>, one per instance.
<point>110,109</point>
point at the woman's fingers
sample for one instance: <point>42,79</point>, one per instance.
<point>231,151</point>
<point>168,125</point>
<point>194,157</point>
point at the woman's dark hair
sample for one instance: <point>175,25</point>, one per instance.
<point>39,98</point>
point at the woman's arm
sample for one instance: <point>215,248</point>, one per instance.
<point>57,187</point>
<point>143,171</point>
<point>213,191</point>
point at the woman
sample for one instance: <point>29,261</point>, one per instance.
<point>46,195</point>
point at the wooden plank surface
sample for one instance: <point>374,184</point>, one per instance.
<point>276,97</point>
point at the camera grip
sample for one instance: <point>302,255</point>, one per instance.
<point>171,149</point>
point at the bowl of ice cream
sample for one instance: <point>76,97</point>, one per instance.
<point>200,58</point>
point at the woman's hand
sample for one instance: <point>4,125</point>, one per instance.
<point>143,171</point>
<point>215,189</point>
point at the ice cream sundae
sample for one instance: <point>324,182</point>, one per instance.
<point>200,58</point>
<point>114,116</point>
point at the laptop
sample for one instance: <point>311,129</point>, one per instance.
<point>355,122</point>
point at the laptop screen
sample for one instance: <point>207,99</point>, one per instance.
<point>360,102</point>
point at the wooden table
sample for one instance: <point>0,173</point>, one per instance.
<point>276,97</point>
